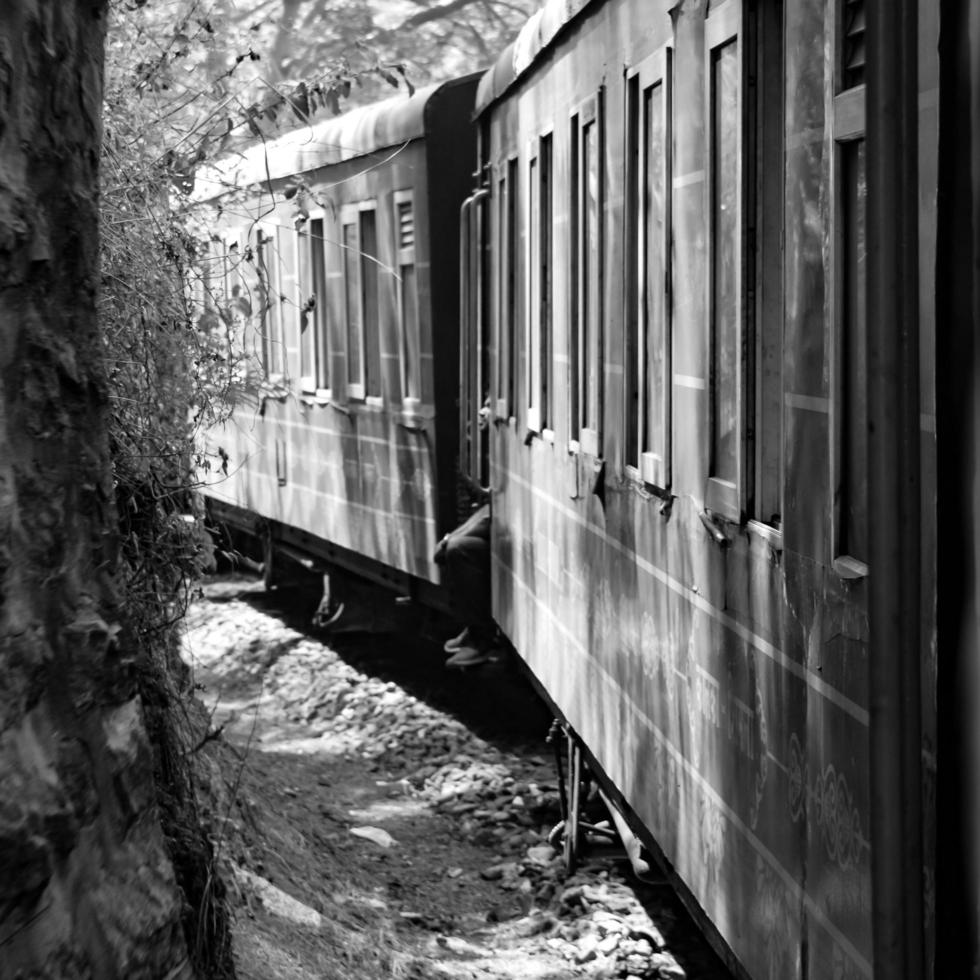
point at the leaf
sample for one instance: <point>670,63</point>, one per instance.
<point>401,71</point>
<point>299,102</point>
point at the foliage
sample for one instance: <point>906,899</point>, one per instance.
<point>187,81</point>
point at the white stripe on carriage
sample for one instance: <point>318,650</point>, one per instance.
<point>414,446</point>
<point>621,695</point>
<point>329,496</point>
<point>815,683</point>
<point>689,381</point>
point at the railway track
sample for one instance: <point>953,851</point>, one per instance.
<point>381,816</point>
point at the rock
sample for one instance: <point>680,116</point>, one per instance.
<point>666,967</point>
<point>541,855</point>
<point>374,834</point>
<point>535,924</point>
<point>588,948</point>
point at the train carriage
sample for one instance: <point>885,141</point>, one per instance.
<point>705,284</point>
<point>673,288</point>
<point>334,270</point>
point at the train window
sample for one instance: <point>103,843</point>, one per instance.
<point>307,321</point>
<point>587,243</point>
<point>271,301</point>
<point>370,319</point>
<point>764,190</point>
<point>574,347</point>
<point>234,298</point>
<point>538,358</point>
<point>545,277</point>
<point>512,309</point>
<point>853,521</point>
<point>359,240</point>
<point>350,243</point>
<point>850,479</point>
<point>507,353</point>
<point>533,356</point>
<point>725,309</point>
<point>647,308</point>
<point>318,355</point>
<point>501,259</point>
<point>408,299</point>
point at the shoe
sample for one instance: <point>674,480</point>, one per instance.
<point>468,657</point>
<point>451,646</point>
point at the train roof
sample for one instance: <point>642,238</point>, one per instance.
<point>354,134</point>
<point>534,38</point>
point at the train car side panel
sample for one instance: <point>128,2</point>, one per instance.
<point>706,635</point>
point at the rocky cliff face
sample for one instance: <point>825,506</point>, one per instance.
<point>86,887</point>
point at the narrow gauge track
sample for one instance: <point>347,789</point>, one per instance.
<point>322,740</point>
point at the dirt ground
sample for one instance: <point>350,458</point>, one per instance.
<point>378,816</point>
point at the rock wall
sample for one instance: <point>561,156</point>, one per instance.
<point>86,888</point>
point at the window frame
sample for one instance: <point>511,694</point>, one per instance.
<point>539,272</point>
<point>372,264</point>
<point>764,228</point>
<point>405,256</point>
<point>587,386</point>
<point>351,216</point>
<point>849,121</point>
<point>508,298</point>
<point>546,174</point>
<point>724,497</point>
<point>648,466</point>
<point>272,329</point>
<point>321,312</point>
<point>233,275</point>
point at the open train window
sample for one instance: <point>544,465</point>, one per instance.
<point>408,298</point>
<point>507,333</point>
<point>234,297</point>
<point>269,264</point>
<point>850,407</point>
<point>538,266</point>
<point>647,355</point>
<point>764,316</point>
<point>500,354</point>
<point>586,336</point>
<point>314,335</point>
<point>359,241</point>
<point>353,324</point>
<point>726,365</point>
